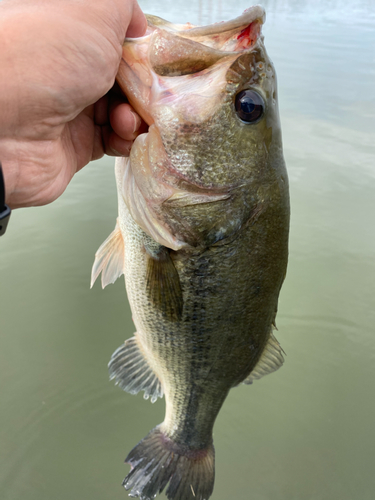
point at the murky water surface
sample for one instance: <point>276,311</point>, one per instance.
<point>306,432</point>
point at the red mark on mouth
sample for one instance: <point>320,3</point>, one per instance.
<point>248,36</point>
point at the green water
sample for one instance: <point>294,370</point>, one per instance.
<point>303,433</point>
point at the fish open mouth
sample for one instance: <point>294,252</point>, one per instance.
<point>182,80</point>
<point>175,50</point>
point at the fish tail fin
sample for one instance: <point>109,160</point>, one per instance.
<point>157,460</point>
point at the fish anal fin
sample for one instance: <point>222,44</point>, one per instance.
<point>163,283</point>
<point>271,360</point>
<point>132,372</point>
<point>109,258</point>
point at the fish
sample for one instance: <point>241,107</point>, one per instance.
<point>201,238</point>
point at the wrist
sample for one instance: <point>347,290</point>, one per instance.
<point>27,172</point>
<point>9,79</point>
<point>10,175</point>
<point>8,105</point>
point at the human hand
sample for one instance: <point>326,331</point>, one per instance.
<point>58,112</point>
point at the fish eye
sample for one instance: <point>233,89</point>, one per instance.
<point>249,105</point>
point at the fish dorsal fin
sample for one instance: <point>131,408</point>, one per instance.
<point>163,283</point>
<point>132,373</point>
<point>270,361</point>
<point>109,258</point>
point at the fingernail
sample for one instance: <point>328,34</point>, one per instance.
<point>137,122</point>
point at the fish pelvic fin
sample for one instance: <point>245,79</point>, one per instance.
<point>109,258</point>
<point>270,360</point>
<point>158,461</point>
<point>132,372</point>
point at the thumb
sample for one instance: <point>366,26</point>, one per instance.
<point>138,23</point>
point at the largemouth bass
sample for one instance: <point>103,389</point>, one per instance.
<point>201,237</point>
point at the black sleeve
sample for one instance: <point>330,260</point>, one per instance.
<point>4,209</point>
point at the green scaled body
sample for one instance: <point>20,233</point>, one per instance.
<point>201,237</point>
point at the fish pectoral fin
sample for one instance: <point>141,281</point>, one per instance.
<point>186,198</point>
<point>270,361</point>
<point>109,258</point>
<point>163,283</point>
<point>132,372</point>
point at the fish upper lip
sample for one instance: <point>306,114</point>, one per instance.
<point>250,15</point>
<point>255,13</point>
